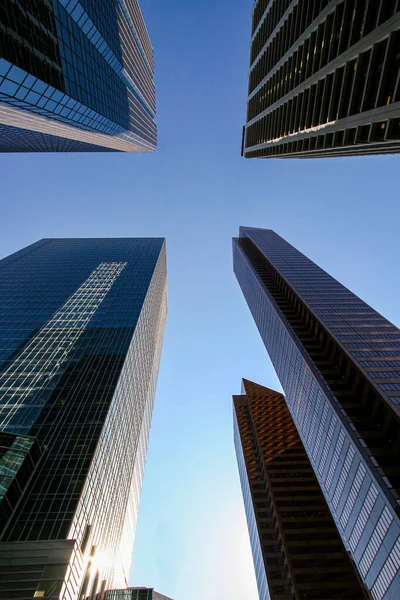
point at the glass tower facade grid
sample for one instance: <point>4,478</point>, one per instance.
<point>76,75</point>
<point>18,459</point>
<point>324,79</point>
<point>82,328</point>
<point>296,545</point>
<point>348,420</point>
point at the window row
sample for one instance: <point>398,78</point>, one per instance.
<point>379,363</point>
<point>317,51</point>
<point>274,13</point>
<point>366,328</point>
<point>384,374</point>
<point>342,93</point>
<point>361,344</point>
<point>389,386</point>
<point>302,15</point>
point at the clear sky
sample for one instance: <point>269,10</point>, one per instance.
<point>196,190</point>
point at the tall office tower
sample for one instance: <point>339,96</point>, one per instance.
<point>75,76</point>
<point>324,79</point>
<point>338,362</point>
<point>135,594</point>
<point>80,342</point>
<point>297,550</point>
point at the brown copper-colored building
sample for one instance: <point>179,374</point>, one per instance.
<point>297,550</point>
<point>324,79</point>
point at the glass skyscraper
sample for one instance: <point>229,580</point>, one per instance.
<point>297,550</point>
<point>75,75</point>
<point>82,323</point>
<point>338,362</point>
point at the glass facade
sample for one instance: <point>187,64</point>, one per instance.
<point>45,569</point>
<point>323,79</point>
<point>75,75</point>
<point>347,420</point>
<point>19,456</point>
<point>258,560</point>
<point>80,343</point>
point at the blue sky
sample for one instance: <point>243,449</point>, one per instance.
<point>196,190</point>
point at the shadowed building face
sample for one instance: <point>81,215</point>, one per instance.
<point>297,550</point>
<point>324,79</point>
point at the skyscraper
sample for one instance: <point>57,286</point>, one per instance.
<point>297,550</point>
<point>338,362</point>
<point>324,79</point>
<point>75,75</point>
<point>80,342</point>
